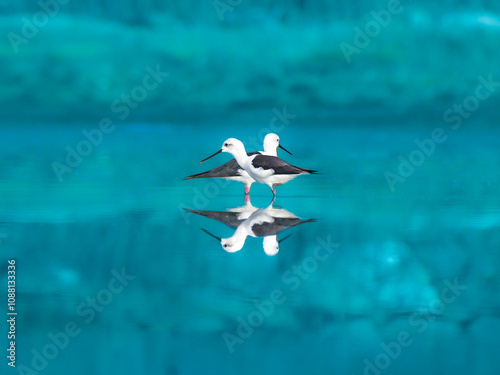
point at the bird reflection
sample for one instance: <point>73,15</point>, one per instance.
<point>251,221</point>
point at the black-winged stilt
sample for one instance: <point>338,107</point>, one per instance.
<point>232,171</point>
<point>250,221</point>
<point>266,169</point>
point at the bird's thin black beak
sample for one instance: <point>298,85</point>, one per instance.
<point>218,152</point>
<point>280,146</point>
<point>210,234</point>
<point>280,241</point>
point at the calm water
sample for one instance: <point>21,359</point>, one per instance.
<point>113,269</point>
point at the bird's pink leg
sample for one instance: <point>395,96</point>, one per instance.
<point>247,189</point>
<point>274,191</point>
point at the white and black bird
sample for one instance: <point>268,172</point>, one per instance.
<point>266,169</point>
<point>232,171</point>
<point>250,221</point>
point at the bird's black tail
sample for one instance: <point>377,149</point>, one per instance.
<point>207,174</point>
<point>311,171</point>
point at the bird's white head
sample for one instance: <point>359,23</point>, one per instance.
<point>271,144</point>
<point>233,146</point>
<point>232,245</point>
<point>271,245</point>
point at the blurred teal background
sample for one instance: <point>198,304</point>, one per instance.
<point>105,107</point>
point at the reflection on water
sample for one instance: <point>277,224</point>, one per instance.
<point>252,221</point>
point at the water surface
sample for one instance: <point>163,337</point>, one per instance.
<point>381,280</point>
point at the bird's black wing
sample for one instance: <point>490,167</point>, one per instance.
<point>225,217</point>
<point>277,226</point>
<point>230,169</point>
<point>279,166</point>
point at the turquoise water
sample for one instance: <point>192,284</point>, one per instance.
<point>113,269</point>
<point>385,263</point>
